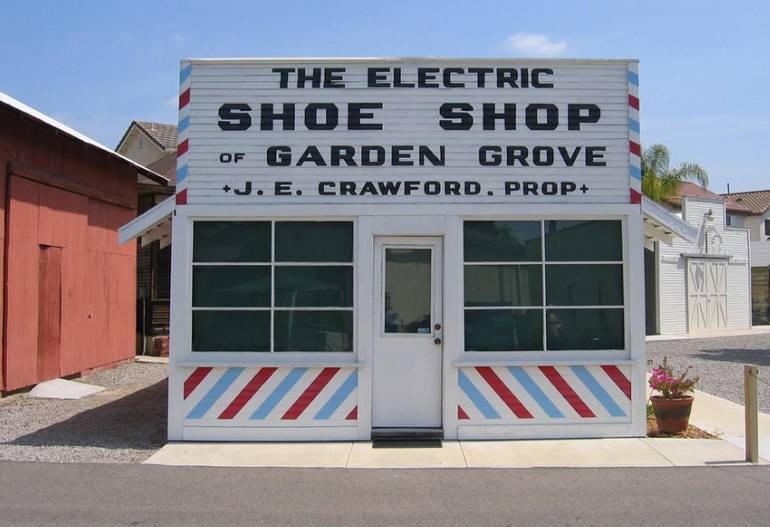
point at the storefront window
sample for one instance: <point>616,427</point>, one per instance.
<point>511,266</point>
<point>272,286</point>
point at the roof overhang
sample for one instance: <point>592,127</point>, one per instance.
<point>155,224</point>
<point>661,225</point>
<point>40,117</point>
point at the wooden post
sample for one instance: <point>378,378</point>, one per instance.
<point>750,404</point>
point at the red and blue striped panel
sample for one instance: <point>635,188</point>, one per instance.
<point>634,140</point>
<point>183,133</point>
<point>545,394</point>
<point>270,396</point>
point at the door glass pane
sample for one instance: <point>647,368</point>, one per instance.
<point>503,285</point>
<point>231,331</point>
<point>231,241</point>
<point>585,240</point>
<point>407,290</point>
<point>584,285</point>
<point>314,286</point>
<point>313,331</point>
<point>231,286</point>
<point>584,329</point>
<point>314,241</point>
<point>503,329</point>
<point>501,241</point>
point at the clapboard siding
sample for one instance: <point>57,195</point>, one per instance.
<point>410,116</point>
<point>673,268</point>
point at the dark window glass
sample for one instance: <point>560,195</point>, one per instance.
<point>308,241</point>
<point>584,329</point>
<point>503,285</point>
<point>584,285</point>
<point>313,331</point>
<point>585,240</point>
<point>503,329</point>
<point>231,241</point>
<point>501,241</point>
<point>407,290</point>
<point>767,227</point>
<point>231,331</point>
<point>316,286</point>
<point>231,286</point>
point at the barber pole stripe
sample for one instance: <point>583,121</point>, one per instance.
<point>634,138</point>
<point>194,380</point>
<point>543,394</point>
<point>342,393</point>
<point>309,395</point>
<point>476,397</point>
<point>271,396</point>
<point>535,392</point>
<point>504,393</point>
<point>276,395</point>
<point>620,380</point>
<point>213,395</point>
<point>566,391</point>
<point>247,393</point>
<point>597,391</point>
<point>183,133</point>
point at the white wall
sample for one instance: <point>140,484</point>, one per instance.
<point>673,267</point>
<point>143,151</point>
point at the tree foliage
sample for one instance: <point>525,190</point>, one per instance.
<point>660,180</point>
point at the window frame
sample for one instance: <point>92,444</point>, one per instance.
<point>544,353</point>
<point>271,354</point>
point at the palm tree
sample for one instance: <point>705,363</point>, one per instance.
<point>660,181</point>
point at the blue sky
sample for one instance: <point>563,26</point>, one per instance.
<point>705,66</point>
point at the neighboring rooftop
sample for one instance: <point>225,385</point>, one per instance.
<point>756,201</point>
<point>165,166</point>
<point>693,190</point>
<point>53,123</point>
<point>163,134</point>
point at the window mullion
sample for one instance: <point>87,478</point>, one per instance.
<point>542,274</point>
<point>272,287</point>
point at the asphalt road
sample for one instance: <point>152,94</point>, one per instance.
<point>103,494</point>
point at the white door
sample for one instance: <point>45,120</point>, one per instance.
<point>706,295</point>
<point>406,388</point>
<point>697,298</point>
<point>717,295</point>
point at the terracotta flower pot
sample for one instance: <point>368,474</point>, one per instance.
<point>672,415</point>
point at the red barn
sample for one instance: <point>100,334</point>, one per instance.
<point>68,301</point>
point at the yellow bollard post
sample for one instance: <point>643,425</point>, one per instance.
<point>750,374</point>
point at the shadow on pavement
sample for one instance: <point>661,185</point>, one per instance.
<point>758,357</point>
<point>136,421</point>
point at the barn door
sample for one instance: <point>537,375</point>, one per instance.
<point>697,297</point>
<point>49,314</point>
<point>717,295</point>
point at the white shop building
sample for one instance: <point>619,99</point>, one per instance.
<point>446,247</point>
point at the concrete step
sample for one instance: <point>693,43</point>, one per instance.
<point>407,434</point>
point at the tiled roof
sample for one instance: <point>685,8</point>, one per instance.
<point>755,201</point>
<point>166,166</point>
<point>693,190</point>
<point>163,134</point>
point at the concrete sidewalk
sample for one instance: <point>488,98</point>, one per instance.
<point>727,420</point>
<point>712,414</point>
<point>625,452</point>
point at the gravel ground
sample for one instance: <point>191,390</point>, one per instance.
<point>719,363</point>
<point>126,423</point>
